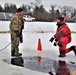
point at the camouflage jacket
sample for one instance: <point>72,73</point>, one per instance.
<point>16,23</point>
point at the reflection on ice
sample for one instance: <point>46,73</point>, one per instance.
<point>61,68</point>
<point>17,61</point>
<point>44,65</point>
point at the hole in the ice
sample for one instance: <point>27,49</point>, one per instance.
<point>45,65</point>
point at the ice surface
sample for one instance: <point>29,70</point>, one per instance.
<point>31,33</point>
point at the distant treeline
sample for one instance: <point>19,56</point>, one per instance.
<point>40,13</point>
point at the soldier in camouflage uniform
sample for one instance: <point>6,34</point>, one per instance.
<point>16,31</point>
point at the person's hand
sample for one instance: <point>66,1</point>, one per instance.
<point>51,40</point>
<point>55,44</point>
<point>60,44</point>
<point>21,39</point>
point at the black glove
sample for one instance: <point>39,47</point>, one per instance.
<point>51,39</point>
<point>59,44</point>
<point>21,39</point>
<point>17,33</point>
<point>55,39</point>
<point>55,43</point>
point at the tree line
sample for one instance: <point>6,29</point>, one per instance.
<point>40,13</point>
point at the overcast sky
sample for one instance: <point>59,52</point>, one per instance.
<point>46,3</point>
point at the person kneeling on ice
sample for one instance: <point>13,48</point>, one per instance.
<point>62,37</point>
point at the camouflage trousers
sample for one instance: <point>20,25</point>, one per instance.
<point>14,43</point>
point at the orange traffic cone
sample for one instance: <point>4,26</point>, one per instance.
<point>39,59</point>
<point>39,48</point>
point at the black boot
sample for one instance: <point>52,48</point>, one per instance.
<point>16,54</point>
<point>73,48</point>
<point>62,53</point>
<point>12,53</point>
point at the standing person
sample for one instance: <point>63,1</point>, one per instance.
<point>15,31</point>
<point>62,37</point>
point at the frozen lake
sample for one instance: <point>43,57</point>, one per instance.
<point>31,33</point>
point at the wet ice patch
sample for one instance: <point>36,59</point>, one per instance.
<point>41,64</point>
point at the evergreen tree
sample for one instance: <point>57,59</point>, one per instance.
<point>1,9</point>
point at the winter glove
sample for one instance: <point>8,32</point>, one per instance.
<point>55,43</point>
<point>59,44</point>
<point>55,39</point>
<point>51,40</point>
<point>17,33</point>
<point>21,39</point>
